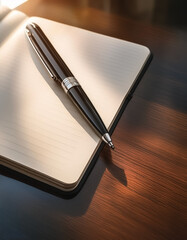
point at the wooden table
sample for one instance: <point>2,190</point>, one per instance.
<point>139,190</point>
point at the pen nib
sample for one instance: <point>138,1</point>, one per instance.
<point>107,139</point>
<point>110,144</point>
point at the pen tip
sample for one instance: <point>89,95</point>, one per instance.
<point>111,145</point>
<point>107,139</point>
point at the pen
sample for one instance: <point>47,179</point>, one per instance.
<point>59,72</point>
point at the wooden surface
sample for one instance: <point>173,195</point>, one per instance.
<point>139,190</point>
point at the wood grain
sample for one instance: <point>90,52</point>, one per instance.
<point>138,191</point>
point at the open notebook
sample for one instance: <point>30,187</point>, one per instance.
<point>42,134</point>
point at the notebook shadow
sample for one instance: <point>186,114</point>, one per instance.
<point>75,204</point>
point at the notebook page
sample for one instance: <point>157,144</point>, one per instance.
<point>4,10</point>
<point>40,127</point>
<point>106,67</point>
<point>9,23</point>
<point>38,122</point>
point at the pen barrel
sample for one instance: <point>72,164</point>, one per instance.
<point>82,101</point>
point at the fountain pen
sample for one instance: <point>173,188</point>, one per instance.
<point>59,72</point>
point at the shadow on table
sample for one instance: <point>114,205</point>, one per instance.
<point>72,205</point>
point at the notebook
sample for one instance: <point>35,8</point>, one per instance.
<point>42,134</point>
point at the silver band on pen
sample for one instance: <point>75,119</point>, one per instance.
<point>68,83</point>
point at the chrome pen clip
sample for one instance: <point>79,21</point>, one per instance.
<point>39,53</point>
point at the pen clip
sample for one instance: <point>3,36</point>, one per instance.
<point>40,55</point>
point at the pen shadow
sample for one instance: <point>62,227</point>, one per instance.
<point>75,205</point>
<point>62,96</point>
<point>117,172</point>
